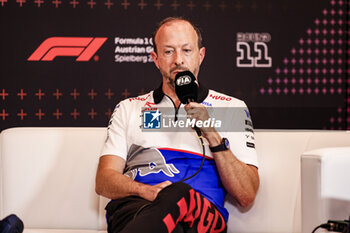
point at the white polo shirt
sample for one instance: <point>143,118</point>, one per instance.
<point>155,155</point>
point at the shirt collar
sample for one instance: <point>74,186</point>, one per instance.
<point>158,93</point>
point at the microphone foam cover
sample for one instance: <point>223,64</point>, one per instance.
<point>186,86</point>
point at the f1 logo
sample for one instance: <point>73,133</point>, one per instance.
<point>82,47</point>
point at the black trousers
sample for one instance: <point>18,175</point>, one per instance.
<point>178,208</point>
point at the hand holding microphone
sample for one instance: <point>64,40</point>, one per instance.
<point>186,88</point>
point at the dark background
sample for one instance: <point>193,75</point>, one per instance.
<point>315,98</point>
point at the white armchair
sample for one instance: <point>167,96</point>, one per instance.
<point>325,186</point>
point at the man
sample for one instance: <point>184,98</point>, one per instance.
<point>140,170</point>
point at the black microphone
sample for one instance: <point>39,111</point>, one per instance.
<point>186,89</point>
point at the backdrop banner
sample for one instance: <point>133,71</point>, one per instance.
<point>67,63</point>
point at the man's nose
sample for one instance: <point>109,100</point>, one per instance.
<point>179,59</point>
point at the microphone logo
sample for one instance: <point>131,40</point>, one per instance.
<point>183,80</point>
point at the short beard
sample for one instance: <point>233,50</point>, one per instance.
<point>169,81</point>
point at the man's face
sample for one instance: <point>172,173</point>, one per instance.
<point>177,50</point>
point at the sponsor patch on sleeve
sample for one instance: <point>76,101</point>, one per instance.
<point>248,122</point>
<point>249,130</point>
<point>250,144</point>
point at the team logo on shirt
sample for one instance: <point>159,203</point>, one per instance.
<point>152,119</point>
<point>146,161</point>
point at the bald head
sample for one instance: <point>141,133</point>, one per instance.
<point>171,20</point>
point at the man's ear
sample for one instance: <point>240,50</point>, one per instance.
<point>201,54</point>
<point>155,58</point>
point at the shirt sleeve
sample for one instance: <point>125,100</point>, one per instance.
<point>116,143</point>
<point>241,136</point>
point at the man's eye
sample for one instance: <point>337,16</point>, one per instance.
<point>187,50</point>
<point>168,52</point>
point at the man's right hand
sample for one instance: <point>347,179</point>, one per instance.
<point>112,184</point>
<point>150,192</point>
